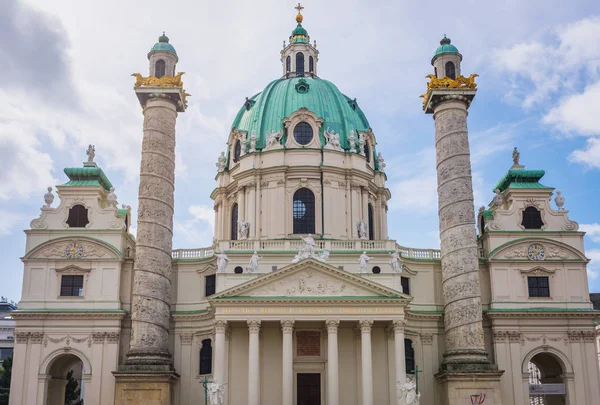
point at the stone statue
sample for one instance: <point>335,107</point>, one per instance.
<point>49,197</point>
<point>222,261</point>
<point>273,138</point>
<point>243,142</point>
<point>408,392</point>
<point>516,155</point>
<point>215,393</point>
<point>363,261</point>
<point>362,140</point>
<point>498,199</point>
<point>396,262</point>
<point>91,153</point>
<point>253,265</point>
<point>559,200</point>
<point>253,142</point>
<point>380,162</point>
<point>362,229</point>
<point>352,142</point>
<point>112,198</point>
<point>333,140</point>
<point>309,245</point>
<point>324,256</point>
<point>221,162</point>
<point>244,227</point>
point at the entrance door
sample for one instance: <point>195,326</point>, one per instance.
<point>309,389</point>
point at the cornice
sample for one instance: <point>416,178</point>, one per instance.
<point>310,300</point>
<point>45,314</point>
<point>499,313</point>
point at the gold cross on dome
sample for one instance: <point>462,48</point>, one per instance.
<point>299,7</point>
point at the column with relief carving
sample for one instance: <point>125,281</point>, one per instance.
<point>287,330</point>
<point>333,385</point>
<point>253,363</point>
<point>366,362</point>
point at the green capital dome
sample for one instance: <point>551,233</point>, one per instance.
<point>163,45</point>
<point>265,111</point>
<point>445,47</point>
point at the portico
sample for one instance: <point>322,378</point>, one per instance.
<point>294,338</point>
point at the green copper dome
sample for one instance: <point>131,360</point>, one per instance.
<point>265,111</point>
<point>163,45</point>
<point>445,47</point>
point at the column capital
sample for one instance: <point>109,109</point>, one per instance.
<point>398,325</point>
<point>253,326</point>
<point>365,326</point>
<point>186,338</point>
<point>287,326</point>
<point>221,327</point>
<point>332,325</point>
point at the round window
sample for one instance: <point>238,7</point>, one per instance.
<point>238,270</point>
<point>303,133</point>
<point>376,270</point>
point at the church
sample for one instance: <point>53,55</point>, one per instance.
<point>303,299</point>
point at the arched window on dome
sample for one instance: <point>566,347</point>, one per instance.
<point>311,65</point>
<point>299,64</point>
<point>371,222</point>
<point>304,211</point>
<point>288,64</point>
<point>237,151</point>
<point>367,152</point>
<point>234,222</point>
<point>159,68</point>
<point>532,218</point>
<point>450,70</point>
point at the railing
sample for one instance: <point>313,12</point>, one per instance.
<point>295,244</point>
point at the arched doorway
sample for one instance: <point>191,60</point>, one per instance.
<point>65,382</point>
<point>547,385</point>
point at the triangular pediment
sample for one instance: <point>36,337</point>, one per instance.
<point>311,279</point>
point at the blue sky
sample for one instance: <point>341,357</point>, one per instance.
<point>67,84</point>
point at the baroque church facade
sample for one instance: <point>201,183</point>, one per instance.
<point>314,304</point>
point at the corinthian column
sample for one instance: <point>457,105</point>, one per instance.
<point>150,308</point>
<point>287,329</point>
<point>366,362</point>
<point>333,385</point>
<point>253,363</point>
<point>460,265</point>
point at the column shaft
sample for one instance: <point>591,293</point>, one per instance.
<point>367,362</point>
<point>242,203</point>
<point>253,363</point>
<point>219,348</point>
<point>251,209</point>
<point>333,386</point>
<point>460,266</point>
<point>399,356</point>
<point>287,329</point>
<point>151,310</point>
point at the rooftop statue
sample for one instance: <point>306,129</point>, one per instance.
<point>112,198</point>
<point>91,153</point>
<point>362,229</point>
<point>380,162</point>
<point>222,261</point>
<point>273,138</point>
<point>333,140</point>
<point>221,161</point>
<point>559,200</point>
<point>244,227</point>
<point>253,265</point>
<point>396,262</point>
<point>498,199</point>
<point>363,261</point>
<point>515,156</point>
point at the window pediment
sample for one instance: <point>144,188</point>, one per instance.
<point>538,271</point>
<point>73,269</point>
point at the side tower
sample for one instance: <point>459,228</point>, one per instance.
<point>149,363</point>
<point>466,369</point>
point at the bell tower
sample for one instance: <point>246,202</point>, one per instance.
<point>148,363</point>
<point>466,369</point>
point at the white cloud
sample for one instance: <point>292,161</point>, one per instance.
<point>416,184</point>
<point>589,156</point>
<point>198,231</point>
<point>593,268</point>
<point>592,231</point>
<point>203,213</point>
<point>578,112</point>
<point>8,221</point>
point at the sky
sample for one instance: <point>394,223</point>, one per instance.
<point>66,83</point>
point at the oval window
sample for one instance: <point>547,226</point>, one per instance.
<point>303,133</point>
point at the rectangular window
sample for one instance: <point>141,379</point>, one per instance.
<point>538,286</point>
<point>210,285</point>
<point>405,281</point>
<point>5,353</point>
<point>71,286</point>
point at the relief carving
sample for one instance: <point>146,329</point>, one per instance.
<point>305,283</point>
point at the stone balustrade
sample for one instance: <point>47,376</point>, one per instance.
<point>292,245</point>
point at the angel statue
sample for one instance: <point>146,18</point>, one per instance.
<point>221,162</point>
<point>333,140</point>
<point>111,198</point>
<point>362,229</point>
<point>216,393</point>
<point>309,246</point>
<point>244,227</point>
<point>363,261</point>
<point>253,265</point>
<point>408,392</point>
<point>222,261</point>
<point>396,262</point>
<point>273,138</point>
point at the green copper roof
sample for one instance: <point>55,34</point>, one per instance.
<point>520,178</point>
<point>122,212</point>
<point>487,214</point>
<point>299,35</point>
<point>445,47</point>
<point>163,45</point>
<point>281,98</point>
<point>87,176</point>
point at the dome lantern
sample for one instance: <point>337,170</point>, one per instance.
<point>299,57</point>
<point>446,60</point>
<point>162,57</point>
